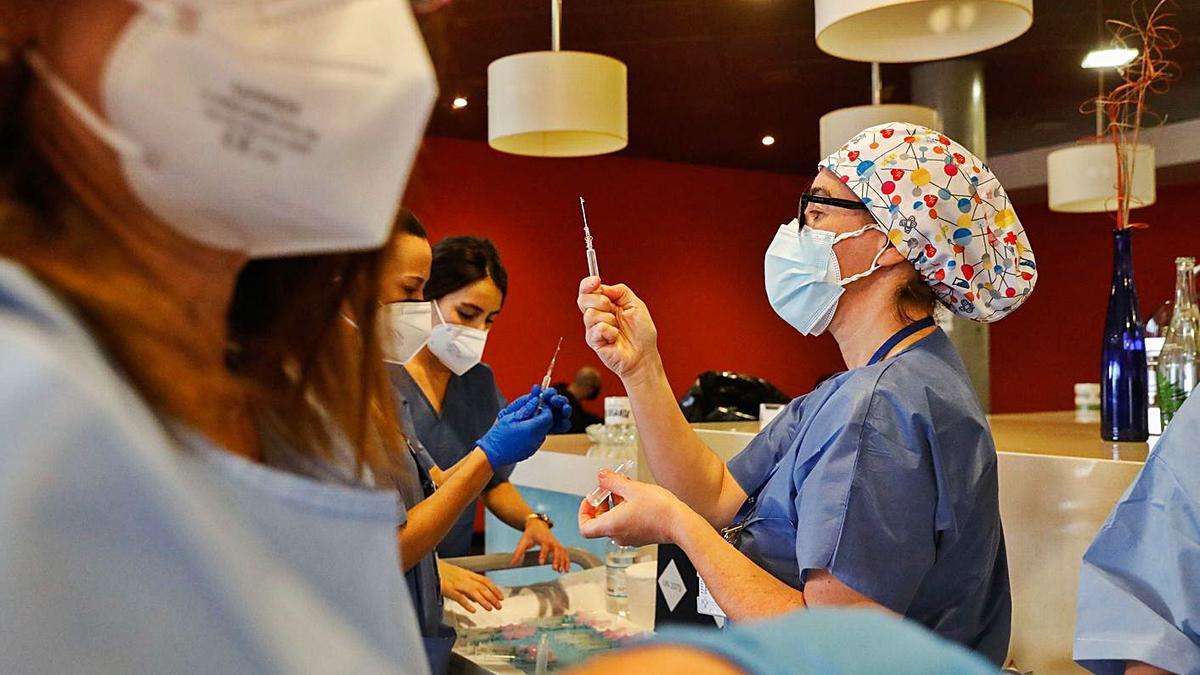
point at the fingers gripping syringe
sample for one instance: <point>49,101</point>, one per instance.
<point>596,497</point>
<point>593,267</point>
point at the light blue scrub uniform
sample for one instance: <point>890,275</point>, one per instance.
<point>125,548</point>
<point>827,641</point>
<point>424,580</point>
<point>1139,588</point>
<point>885,475</point>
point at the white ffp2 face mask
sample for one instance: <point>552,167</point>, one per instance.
<point>407,327</point>
<point>458,347</point>
<point>271,127</point>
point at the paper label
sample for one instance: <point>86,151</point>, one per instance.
<point>705,604</point>
<point>672,586</point>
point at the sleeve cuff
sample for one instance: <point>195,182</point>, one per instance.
<point>1105,656</point>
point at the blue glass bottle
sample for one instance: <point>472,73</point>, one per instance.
<point>1123,377</point>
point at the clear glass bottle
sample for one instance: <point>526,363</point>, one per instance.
<point>618,437</point>
<point>616,563</point>
<point>1156,330</point>
<point>1179,362</point>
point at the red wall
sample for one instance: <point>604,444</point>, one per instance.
<point>1053,340</point>
<point>690,241</point>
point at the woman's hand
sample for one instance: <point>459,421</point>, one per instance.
<point>537,533</point>
<point>468,588</point>
<point>643,514</point>
<point>522,426</point>
<point>618,328</point>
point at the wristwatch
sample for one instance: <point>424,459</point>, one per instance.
<point>542,517</point>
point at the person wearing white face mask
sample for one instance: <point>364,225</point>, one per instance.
<point>435,499</point>
<point>453,397</point>
<point>197,461</point>
<point>879,487</point>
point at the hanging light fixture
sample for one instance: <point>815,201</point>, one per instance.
<point>907,31</point>
<point>1083,178</point>
<point>841,125</point>
<point>557,103</point>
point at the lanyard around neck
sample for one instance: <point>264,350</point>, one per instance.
<point>896,339</point>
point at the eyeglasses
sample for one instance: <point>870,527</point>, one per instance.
<point>810,198</point>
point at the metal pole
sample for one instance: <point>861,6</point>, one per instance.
<point>556,25</point>
<point>955,89</point>
<point>876,85</point>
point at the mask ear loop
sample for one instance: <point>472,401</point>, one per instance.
<point>441,318</point>
<point>856,233</point>
<point>118,141</point>
<point>874,262</point>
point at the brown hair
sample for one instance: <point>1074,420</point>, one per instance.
<point>915,299</point>
<point>303,334</point>
<point>301,331</point>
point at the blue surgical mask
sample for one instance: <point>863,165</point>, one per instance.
<point>803,278</point>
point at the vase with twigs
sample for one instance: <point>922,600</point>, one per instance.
<point>1122,114</point>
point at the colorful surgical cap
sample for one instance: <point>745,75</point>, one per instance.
<point>942,208</point>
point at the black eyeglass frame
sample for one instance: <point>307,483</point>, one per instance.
<point>810,198</point>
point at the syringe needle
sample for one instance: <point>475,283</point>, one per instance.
<point>593,266</point>
<point>550,370</point>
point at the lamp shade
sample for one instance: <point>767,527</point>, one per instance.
<point>557,104</point>
<point>841,125</point>
<point>908,31</point>
<point>1083,178</point>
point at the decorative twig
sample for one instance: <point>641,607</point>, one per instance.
<point>1125,106</point>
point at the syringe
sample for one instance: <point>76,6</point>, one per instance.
<point>596,497</point>
<point>550,369</point>
<point>593,267</point>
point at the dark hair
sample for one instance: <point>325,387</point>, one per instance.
<point>459,262</point>
<point>407,223</point>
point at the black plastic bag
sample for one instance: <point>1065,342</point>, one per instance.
<point>728,397</point>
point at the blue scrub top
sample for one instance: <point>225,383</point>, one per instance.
<point>886,476</point>
<point>471,405</point>
<point>1139,587</point>
<point>130,547</point>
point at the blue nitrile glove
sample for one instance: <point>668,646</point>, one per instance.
<point>518,403</point>
<point>520,428</point>
<point>561,409</point>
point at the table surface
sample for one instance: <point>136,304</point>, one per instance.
<point>1059,434</point>
<point>1039,433</point>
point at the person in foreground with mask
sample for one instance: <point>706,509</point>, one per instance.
<point>453,398</point>
<point>1139,604</point>
<point>878,488</point>
<point>196,464</point>
<point>434,498</point>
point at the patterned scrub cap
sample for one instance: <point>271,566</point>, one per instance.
<point>945,211</point>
